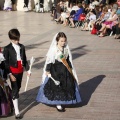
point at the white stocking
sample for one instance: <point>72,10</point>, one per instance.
<point>15,103</point>
<point>59,107</point>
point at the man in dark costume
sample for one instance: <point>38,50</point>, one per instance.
<point>26,2</point>
<point>41,5</point>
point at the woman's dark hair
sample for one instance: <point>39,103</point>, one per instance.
<point>61,10</point>
<point>105,9</point>
<point>14,34</point>
<point>59,35</point>
<point>93,11</point>
<point>80,5</point>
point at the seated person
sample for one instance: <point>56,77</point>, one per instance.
<point>102,18</point>
<point>109,23</point>
<point>63,18</point>
<point>76,16</point>
<point>117,30</point>
<point>90,21</point>
<point>85,8</point>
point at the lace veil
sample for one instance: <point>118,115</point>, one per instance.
<point>51,58</point>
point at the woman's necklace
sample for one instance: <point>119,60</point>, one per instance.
<point>62,52</point>
<point>61,49</point>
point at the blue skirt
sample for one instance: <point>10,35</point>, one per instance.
<point>43,99</point>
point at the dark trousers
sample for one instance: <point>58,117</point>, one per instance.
<point>117,30</point>
<point>13,1</point>
<point>16,85</point>
<point>26,3</point>
<point>98,26</point>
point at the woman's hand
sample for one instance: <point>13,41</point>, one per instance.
<point>13,79</point>
<point>47,73</point>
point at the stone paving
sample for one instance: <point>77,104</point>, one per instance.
<point>96,59</point>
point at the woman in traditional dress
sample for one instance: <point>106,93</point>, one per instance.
<point>59,86</point>
<point>6,106</point>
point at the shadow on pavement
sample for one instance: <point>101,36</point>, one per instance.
<point>87,89</point>
<point>35,45</point>
<point>76,52</point>
<point>28,100</point>
<point>78,48</point>
<point>79,51</point>
<point>37,64</point>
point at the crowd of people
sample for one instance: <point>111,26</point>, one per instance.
<point>59,81</point>
<point>97,17</point>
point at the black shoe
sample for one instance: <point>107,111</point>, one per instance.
<point>60,110</point>
<point>18,117</point>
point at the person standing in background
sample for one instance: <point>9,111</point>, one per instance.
<point>13,5</point>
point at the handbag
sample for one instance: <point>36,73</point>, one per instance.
<point>94,31</point>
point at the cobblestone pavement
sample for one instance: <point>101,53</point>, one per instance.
<point>96,59</point>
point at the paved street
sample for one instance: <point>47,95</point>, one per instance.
<point>96,59</point>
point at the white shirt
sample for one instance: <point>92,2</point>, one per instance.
<point>1,58</point>
<point>75,8</point>
<point>92,17</point>
<point>17,50</point>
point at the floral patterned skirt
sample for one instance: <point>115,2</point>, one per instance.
<point>57,100</point>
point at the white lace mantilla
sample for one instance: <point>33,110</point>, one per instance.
<point>59,53</point>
